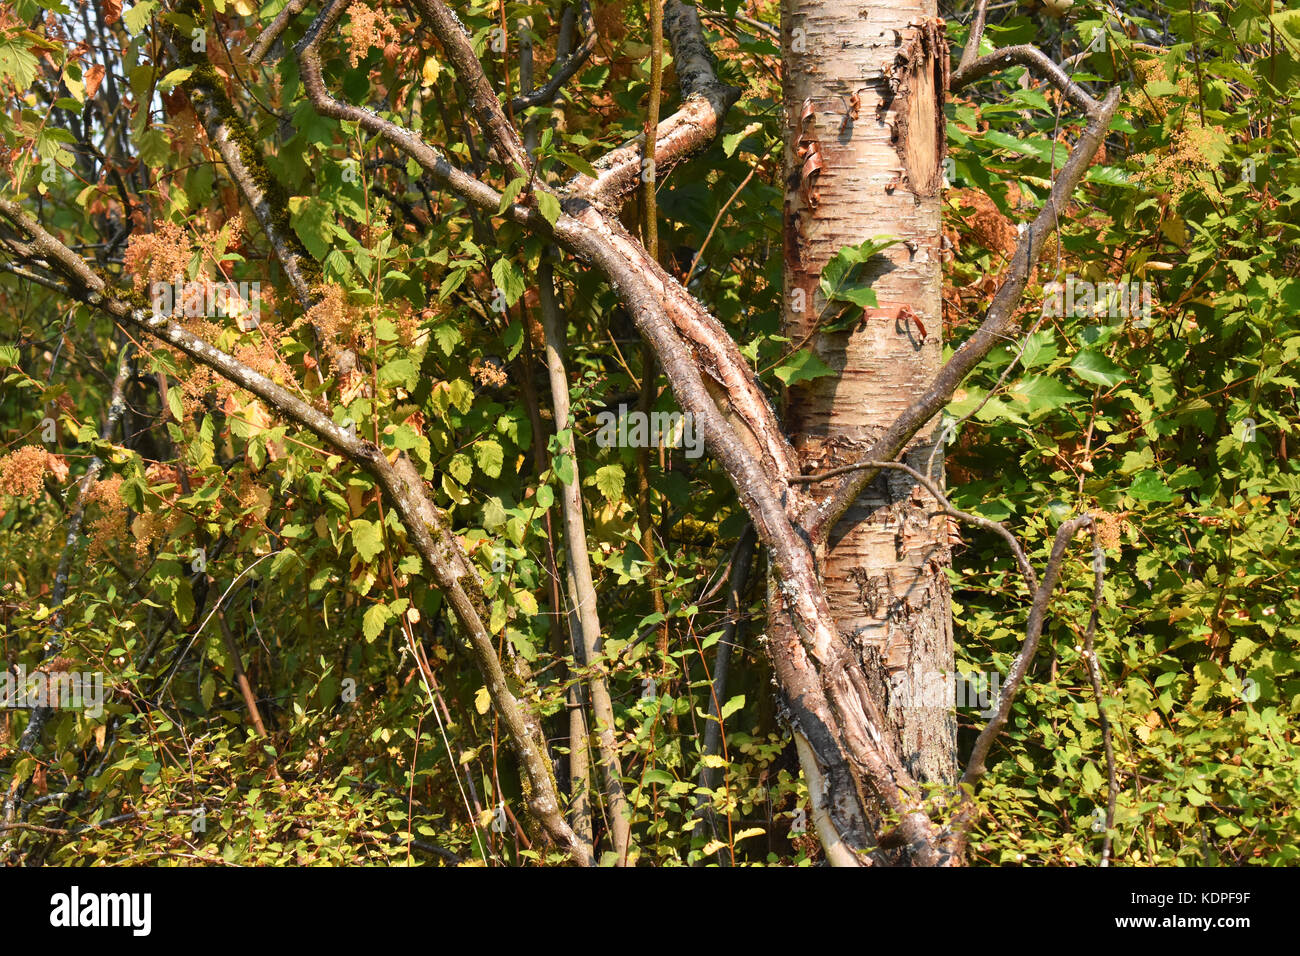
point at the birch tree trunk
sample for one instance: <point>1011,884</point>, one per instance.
<point>864,89</point>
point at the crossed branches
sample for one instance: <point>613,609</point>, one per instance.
<point>839,730</point>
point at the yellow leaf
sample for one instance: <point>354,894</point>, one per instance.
<point>482,701</point>
<point>430,71</point>
<point>526,602</point>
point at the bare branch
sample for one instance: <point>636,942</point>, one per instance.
<point>562,72</point>
<point>1033,631</point>
<point>976,34</point>
<point>257,52</point>
<point>1038,62</point>
<point>487,107</point>
<point>767,29</point>
<point>946,507</point>
<point>1094,673</point>
<point>587,646</point>
<point>34,277</point>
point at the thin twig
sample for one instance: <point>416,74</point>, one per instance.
<point>1094,673</point>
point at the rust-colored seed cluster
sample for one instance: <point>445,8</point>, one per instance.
<point>22,472</point>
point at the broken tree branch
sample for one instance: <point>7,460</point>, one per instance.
<point>705,103</point>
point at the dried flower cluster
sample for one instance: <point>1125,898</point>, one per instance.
<point>1110,527</point>
<point>110,527</point>
<point>22,472</point>
<point>331,316</point>
<point>1193,146</point>
<point>159,256</point>
<point>488,373</point>
<point>371,28</point>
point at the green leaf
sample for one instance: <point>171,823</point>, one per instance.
<point>174,78</point>
<point>137,18</point>
<point>1093,366</point>
<point>732,140</point>
<point>400,371</point>
<point>1242,648</point>
<point>548,206</point>
<point>837,283</point>
<point>375,620</point>
<point>1149,486</point>
<point>1042,393</point>
<point>509,280</point>
<point>367,538</point>
<point>448,336</point>
<point>574,161</point>
<point>513,339</point>
<point>803,366</point>
<point>461,468</point>
<point>610,480</point>
<point>489,457</point>
<point>207,690</point>
<point>510,192</point>
<point>733,705</point>
<point>1036,147</point>
<point>1040,349</point>
<point>17,60</point>
<point>545,497</point>
<point>310,218</point>
<point>564,468</point>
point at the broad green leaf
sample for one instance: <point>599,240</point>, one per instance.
<point>803,366</point>
<point>1149,486</point>
<point>489,456</point>
<point>609,480</point>
<point>375,620</point>
<point>367,538</point>
<point>1093,366</point>
<point>509,280</point>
